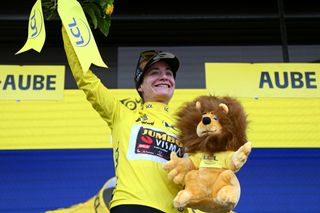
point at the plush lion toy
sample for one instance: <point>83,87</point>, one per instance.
<point>213,131</point>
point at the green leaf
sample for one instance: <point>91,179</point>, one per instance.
<point>97,10</point>
<point>93,19</point>
<point>49,8</point>
<point>104,25</point>
<point>102,3</point>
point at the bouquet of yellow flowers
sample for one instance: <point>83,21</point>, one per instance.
<point>98,12</point>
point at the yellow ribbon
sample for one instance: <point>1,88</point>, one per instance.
<point>77,27</point>
<point>36,30</point>
<point>79,32</point>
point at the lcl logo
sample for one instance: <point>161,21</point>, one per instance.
<point>82,33</point>
<point>36,23</point>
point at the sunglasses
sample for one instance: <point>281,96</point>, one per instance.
<point>154,55</point>
<point>145,57</point>
<point>150,56</point>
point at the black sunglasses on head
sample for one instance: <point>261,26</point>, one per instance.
<point>154,56</point>
<point>145,55</point>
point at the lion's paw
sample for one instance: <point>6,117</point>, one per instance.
<point>227,197</point>
<point>182,199</point>
<point>241,155</point>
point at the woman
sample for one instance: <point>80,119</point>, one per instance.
<point>142,139</point>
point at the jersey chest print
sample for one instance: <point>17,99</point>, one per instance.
<point>152,144</point>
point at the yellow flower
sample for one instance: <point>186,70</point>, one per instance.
<point>109,9</point>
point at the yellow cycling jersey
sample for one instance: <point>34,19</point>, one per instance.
<point>220,160</point>
<point>142,141</point>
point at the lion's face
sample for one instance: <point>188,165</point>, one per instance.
<point>212,124</point>
<point>208,125</point>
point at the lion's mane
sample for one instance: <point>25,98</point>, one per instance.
<point>234,125</point>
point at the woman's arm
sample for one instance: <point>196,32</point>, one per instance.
<point>97,94</point>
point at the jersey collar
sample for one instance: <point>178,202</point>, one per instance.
<point>156,106</point>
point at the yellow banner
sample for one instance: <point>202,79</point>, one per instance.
<point>73,123</point>
<point>36,30</point>
<point>31,82</point>
<point>79,32</point>
<point>263,79</point>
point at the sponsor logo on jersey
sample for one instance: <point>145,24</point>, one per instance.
<point>144,120</point>
<point>168,125</point>
<point>156,143</point>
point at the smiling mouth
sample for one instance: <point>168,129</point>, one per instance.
<point>163,85</point>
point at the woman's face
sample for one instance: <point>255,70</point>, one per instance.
<point>158,83</point>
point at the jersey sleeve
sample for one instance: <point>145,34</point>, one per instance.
<point>96,93</point>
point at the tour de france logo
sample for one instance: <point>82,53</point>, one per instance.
<point>36,23</point>
<point>130,103</point>
<point>80,31</point>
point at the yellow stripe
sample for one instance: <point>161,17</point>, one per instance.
<point>285,122</point>
<point>72,122</point>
